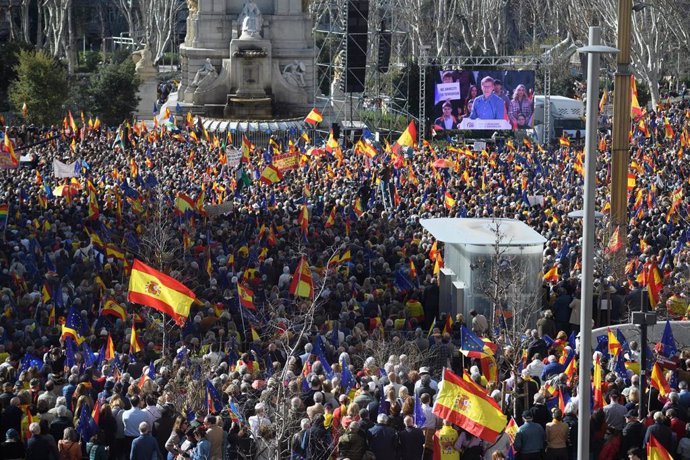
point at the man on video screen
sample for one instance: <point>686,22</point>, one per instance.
<point>488,106</point>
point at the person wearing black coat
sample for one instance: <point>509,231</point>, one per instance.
<point>319,446</point>
<point>633,432</point>
<point>383,440</point>
<point>661,432</point>
<point>411,441</point>
<point>540,413</point>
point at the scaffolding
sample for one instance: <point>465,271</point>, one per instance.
<point>537,63</point>
<point>384,103</point>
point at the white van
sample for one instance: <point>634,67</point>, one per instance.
<point>567,115</point>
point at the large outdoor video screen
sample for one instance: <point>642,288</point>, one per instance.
<point>483,99</point>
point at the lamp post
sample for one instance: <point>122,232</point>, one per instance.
<point>593,51</point>
<point>620,145</point>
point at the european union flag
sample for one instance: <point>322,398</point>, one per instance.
<point>419,418</point>
<point>89,358</point>
<point>347,380</point>
<point>603,344</point>
<point>214,403</point>
<point>470,342</point>
<point>28,361</point>
<point>571,340</point>
<point>69,351</point>
<point>620,367</point>
<point>319,352</point>
<point>86,426</point>
<point>668,343</point>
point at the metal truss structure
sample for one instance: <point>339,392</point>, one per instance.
<point>541,62</point>
<point>386,87</point>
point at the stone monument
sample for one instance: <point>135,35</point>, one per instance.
<point>247,59</point>
<point>148,82</point>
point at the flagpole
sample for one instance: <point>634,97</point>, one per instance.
<point>163,323</point>
<point>239,304</point>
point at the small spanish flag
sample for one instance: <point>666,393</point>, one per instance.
<point>109,349</point>
<point>552,274</point>
<point>255,335</point>
<point>564,140</point>
<point>302,284</point>
<point>448,200</point>
<point>314,117</point>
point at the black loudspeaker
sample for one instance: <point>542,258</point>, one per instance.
<point>335,127</point>
<point>384,56</point>
<point>356,51</point>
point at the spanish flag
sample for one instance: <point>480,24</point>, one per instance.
<point>247,147</point>
<point>159,291</point>
<point>331,218</point>
<point>303,220</point>
<point>631,181</point>
<point>109,349</point>
<point>656,451</point>
<point>271,175</point>
<point>448,200</point>
<point>255,335</point>
<point>552,274</point>
<point>597,396</point>
<point>564,140</point>
<point>314,117</point>
<point>658,380</point>
<point>603,100</point>
<point>246,296</point>
<point>655,283</point>
<point>9,150</point>
<point>302,284</point>
<point>470,408</point>
<point>112,308</point>
<point>614,344</point>
<point>635,109</point>
<point>615,243</point>
<point>407,139</point>
<point>134,343</point>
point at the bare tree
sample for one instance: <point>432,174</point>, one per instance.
<point>653,31</point>
<point>158,19</point>
<point>507,285</point>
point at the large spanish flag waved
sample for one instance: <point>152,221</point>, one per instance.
<point>407,139</point>
<point>469,407</point>
<point>159,291</point>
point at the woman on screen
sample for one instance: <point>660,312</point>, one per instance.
<point>468,102</point>
<point>521,104</point>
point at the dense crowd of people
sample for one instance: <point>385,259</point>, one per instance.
<point>355,372</point>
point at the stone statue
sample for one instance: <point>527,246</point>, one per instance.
<point>142,58</point>
<point>205,75</point>
<point>294,74</point>
<point>251,21</point>
<point>193,6</point>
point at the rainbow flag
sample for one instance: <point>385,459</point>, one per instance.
<point>4,214</point>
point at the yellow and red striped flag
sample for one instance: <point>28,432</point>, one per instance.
<point>656,451</point>
<point>302,284</point>
<point>314,117</point>
<point>157,290</point>
<point>469,407</point>
<point>109,349</point>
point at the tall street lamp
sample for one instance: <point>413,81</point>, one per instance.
<point>593,51</point>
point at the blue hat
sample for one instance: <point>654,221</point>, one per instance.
<point>11,434</point>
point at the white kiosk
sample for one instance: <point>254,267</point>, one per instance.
<point>470,253</point>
